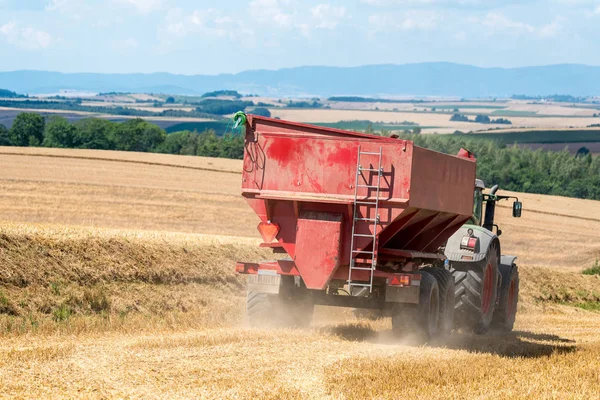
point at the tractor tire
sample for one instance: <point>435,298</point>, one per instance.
<point>475,292</point>
<point>421,318</point>
<point>446,284</point>
<point>506,312</point>
<point>292,308</point>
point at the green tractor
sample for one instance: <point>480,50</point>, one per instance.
<point>486,282</point>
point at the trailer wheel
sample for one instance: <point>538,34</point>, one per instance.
<point>423,317</point>
<point>506,312</point>
<point>292,308</point>
<point>476,290</point>
<point>446,285</point>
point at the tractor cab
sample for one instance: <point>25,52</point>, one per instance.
<point>490,199</point>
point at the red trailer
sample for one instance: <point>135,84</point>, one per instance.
<point>362,219</point>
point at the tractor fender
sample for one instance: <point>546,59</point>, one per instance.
<point>454,253</point>
<point>507,261</point>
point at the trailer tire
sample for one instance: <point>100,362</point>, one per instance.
<point>476,290</point>
<point>506,312</point>
<point>421,318</point>
<point>288,309</point>
<point>446,285</point>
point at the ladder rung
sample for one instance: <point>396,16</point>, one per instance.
<point>360,284</point>
<point>368,186</point>
<point>368,169</point>
<point>366,219</point>
<point>362,235</point>
<point>363,252</point>
<point>369,153</point>
<point>362,269</point>
<point>366,202</point>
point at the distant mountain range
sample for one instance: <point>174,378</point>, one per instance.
<point>422,79</point>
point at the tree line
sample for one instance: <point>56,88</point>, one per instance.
<point>32,129</point>
<point>521,169</point>
<point>481,119</point>
<point>513,168</point>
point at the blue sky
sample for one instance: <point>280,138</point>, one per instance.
<point>210,37</point>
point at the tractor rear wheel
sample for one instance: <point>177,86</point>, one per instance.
<point>421,318</point>
<point>476,290</point>
<point>506,312</point>
<point>446,285</point>
<point>292,308</point>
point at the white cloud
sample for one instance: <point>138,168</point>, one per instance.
<point>271,11</point>
<point>126,44</point>
<point>180,25</point>
<point>421,2</point>
<point>75,9</point>
<point>25,38</point>
<point>408,21</point>
<point>497,22</point>
<point>144,6</point>
<point>328,16</point>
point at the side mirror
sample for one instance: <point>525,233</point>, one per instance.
<point>517,208</point>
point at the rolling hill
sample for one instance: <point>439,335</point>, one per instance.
<point>421,79</point>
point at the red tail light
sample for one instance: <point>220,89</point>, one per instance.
<point>402,280</point>
<point>268,231</point>
<point>469,243</point>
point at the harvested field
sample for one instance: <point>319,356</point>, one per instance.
<point>96,307</point>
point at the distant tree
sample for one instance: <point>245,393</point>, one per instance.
<point>60,133</point>
<point>95,133</point>
<point>27,130</point>
<point>137,135</point>
<point>482,119</point>
<point>183,142</point>
<point>370,129</point>
<point>456,110</point>
<point>459,117</point>
<point>217,93</point>
<point>170,100</point>
<point>4,136</point>
<point>416,130</point>
<point>583,151</point>
<point>432,109</point>
<point>262,111</point>
<point>595,115</point>
<point>502,121</point>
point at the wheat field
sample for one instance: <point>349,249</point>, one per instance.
<point>116,281</point>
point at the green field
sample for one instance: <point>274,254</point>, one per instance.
<point>218,126</point>
<point>462,106</point>
<point>514,113</point>
<point>551,136</point>
<point>364,125</point>
<point>222,127</point>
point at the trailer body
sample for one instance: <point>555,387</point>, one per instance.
<point>349,207</point>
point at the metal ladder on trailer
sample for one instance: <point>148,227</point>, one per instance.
<point>369,255</point>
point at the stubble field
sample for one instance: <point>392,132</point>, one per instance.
<point>116,281</point>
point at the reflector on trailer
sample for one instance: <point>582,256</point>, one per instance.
<point>403,280</point>
<point>268,231</point>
